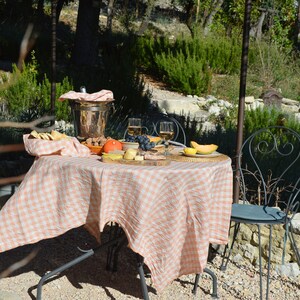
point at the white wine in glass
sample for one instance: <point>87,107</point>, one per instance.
<point>134,126</point>
<point>166,132</point>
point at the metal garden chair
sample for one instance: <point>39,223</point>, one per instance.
<point>268,164</point>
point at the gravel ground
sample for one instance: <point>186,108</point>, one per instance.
<point>89,279</point>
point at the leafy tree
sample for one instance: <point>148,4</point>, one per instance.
<point>146,18</point>
<point>200,14</point>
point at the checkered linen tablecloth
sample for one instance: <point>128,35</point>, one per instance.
<point>64,147</point>
<point>170,214</point>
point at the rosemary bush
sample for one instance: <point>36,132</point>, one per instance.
<point>27,98</point>
<point>187,64</point>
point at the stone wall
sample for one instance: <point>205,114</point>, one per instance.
<point>246,245</point>
<point>202,109</point>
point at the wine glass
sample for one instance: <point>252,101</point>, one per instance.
<point>166,132</point>
<point>134,126</point>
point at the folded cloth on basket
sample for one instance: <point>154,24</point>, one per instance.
<point>103,95</point>
<point>65,147</point>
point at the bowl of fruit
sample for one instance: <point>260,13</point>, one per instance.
<point>95,144</point>
<point>95,149</point>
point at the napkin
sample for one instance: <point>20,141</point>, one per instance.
<point>103,95</point>
<point>65,147</point>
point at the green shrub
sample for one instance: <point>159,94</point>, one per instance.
<point>220,53</point>
<point>271,67</point>
<point>27,98</point>
<point>184,74</point>
<point>188,63</point>
<point>268,116</point>
<point>62,109</point>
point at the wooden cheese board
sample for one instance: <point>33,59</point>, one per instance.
<point>160,162</point>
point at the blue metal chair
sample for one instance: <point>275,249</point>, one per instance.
<point>268,174</point>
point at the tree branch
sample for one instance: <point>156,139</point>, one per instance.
<point>19,264</point>
<point>32,125</point>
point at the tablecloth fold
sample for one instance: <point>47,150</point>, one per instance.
<point>103,95</point>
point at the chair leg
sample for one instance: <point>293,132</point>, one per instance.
<point>260,262</point>
<point>140,263</point>
<point>113,251</point>
<point>269,262</point>
<point>223,266</point>
<point>61,269</point>
<point>214,282</point>
<point>57,271</point>
<point>197,278</point>
<point>113,254</point>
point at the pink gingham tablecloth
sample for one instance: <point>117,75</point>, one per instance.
<point>103,95</point>
<point>170,214</point>
<point>65,147</point>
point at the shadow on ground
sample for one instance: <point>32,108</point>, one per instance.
<point>55,252</point>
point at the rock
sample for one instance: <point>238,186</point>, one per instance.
<point>249,99</point>
<point>8,296</point>
<point>208,126</point>
<point>238,258</point>
<point>256,104</point>
<point>272,98</point>
<point>245,233</point>
<point>214,110</point>
<point>290,108</point>
<point>201,99</point>
<point>211,98</point>
<point>199,108</point>
<point>296,223</point>
<point>289,270</point>
<point>249,251</point>
<point>287,101</point>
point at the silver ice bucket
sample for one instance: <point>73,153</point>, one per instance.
<point>90,118</point>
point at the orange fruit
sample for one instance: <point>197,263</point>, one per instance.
<point>111,145</point>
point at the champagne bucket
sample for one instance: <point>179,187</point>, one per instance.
<point>90,118</point>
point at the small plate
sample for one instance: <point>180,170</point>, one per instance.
<point>214,154</point>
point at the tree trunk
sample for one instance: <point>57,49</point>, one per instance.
<point>59,6</point>
<point>197,11</point>
<point>256,31</point>
<point>190,9</point>
<point>146,18</point>
<point>208,21</point>
<point>85,50</point>
<point>298,26</point>
<point>110,13</point>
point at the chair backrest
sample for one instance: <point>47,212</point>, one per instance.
<point>269,168</point>
<point>152,125</point>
